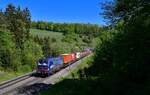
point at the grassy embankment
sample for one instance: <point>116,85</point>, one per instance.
<point>9,75</point>
<point>74,83</point>
<point>45,33</point>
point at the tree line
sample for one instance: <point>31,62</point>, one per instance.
<point>65,28</point>
<point>79,34</point>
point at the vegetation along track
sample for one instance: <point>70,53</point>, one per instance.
<point>27,83</point>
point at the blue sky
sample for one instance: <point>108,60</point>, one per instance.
<point>72,11</point>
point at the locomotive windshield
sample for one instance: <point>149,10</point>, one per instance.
<point>42,62</point>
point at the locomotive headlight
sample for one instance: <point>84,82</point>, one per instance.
<point>51,66</point>
<point>39,63</point>
<point>44,64</point>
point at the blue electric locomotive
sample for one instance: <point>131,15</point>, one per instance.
<point>48,66</point>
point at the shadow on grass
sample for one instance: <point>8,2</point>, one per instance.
<point>89,84</point>
<point>75,87</point>
<point>95,87</point>
<point>115,84</point>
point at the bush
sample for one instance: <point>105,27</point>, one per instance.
<point>25,69</point>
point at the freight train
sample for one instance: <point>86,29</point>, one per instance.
<point>50,65</point>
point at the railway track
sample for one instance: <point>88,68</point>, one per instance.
<point>15,80</point>
<point>27,80</point>
<point>7,84</point>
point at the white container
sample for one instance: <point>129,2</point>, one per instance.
<point>77,55</point>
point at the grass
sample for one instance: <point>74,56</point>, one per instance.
<point>45,33</point>
<point>73,87</point>
<point>85,64</point>
<point>9,75</point>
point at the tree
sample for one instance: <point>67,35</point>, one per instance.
<point>18,24</point>
<point>9,58</point>
<point>27,20</point>
<point>3,21</point>
<point>121,59</point>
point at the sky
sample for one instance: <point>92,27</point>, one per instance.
<point>71,11</point>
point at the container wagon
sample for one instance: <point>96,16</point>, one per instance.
<point>67,58</point>
<point>73,56</point>
<point>78,55</point>
<point>48,66</point>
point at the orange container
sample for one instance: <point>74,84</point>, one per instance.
<point>67,58</point>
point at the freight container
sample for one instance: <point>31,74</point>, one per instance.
<point>83,54</point>
<point>73,56</point>
<point>77,55</point>
<point>67,58</point>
